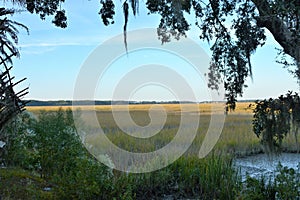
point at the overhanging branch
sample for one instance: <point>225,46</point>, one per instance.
<point>279,30</point>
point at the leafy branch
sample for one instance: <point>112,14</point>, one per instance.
<point>275,118</point>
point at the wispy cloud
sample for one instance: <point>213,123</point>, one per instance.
<point>49,44</point>
<point>37,51</point>
<point>38,47</point>
<point>89,40</point>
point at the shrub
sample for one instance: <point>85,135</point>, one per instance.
<point>50,146</point>
<point>258,189</point>
<point>87,180</point>
<point>284,185</point>
<point>62,158</point>
<point>55,143</point>
<point>287,182</point>
<point>14,152</point>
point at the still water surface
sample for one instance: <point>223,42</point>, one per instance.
<point>263,164</point>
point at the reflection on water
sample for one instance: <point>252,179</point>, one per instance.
<point>263,164</point>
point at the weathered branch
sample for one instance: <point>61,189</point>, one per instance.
<point>278,28</point>
<point>10,102</point>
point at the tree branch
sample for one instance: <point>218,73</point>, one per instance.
<point>279,30</point>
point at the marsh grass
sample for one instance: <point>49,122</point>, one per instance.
<point>203,107</point>
<point>212,177</point>
<point>237,136</point>
<point>189,177</point>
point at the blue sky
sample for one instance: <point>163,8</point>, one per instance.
<point>51,58</point>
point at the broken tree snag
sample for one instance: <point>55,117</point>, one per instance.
<point>10,102</point>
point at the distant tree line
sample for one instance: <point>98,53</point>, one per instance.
<point>104,102</point>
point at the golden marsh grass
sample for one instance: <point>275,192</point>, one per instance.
<point>242,107</point>
<point>237,136</point>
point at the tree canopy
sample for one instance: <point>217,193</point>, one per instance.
<point>234,28</point>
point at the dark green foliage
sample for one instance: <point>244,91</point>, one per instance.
<point>47,8</point>
<point>87,179</point>
<point>231,54</point>
<point>285,184</point>
<point>60,19</point>
<point>51,147</point>
<point>275,118</point>
<point>15,134</point>
<point>172,23</point>
<point>258,189</point>
<point>55,143</point>
<point>61,158</point>
<point>107,11</point>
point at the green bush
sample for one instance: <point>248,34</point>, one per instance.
<point>62,158</point>
<point>55,143</point>
<point>50,146</point>
<point>87,180</point>
<point>14,152</point>
<point>258,189</point>
<point>284,185</point>
<point>287,182</point>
